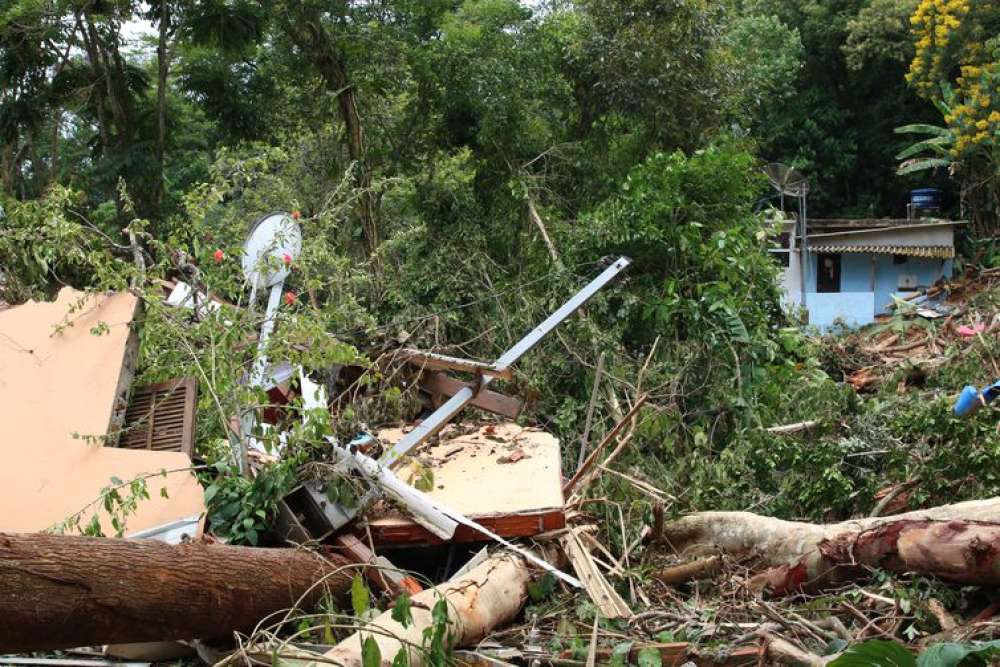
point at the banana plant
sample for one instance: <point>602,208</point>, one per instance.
<point>935,150</point>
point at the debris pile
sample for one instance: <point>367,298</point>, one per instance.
<point>458,535</point>
<point>922,333</point>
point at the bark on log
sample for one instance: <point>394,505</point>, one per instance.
<point>778,541</point>
<point>490,595</point>
<point>959,542</point>
<point>61,591</point>
<point>961,551</point>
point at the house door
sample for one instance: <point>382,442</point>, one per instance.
<point>828,273</point>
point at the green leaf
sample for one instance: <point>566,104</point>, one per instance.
<point>921,164</point>
<point>210,493</point>
<point>936,145</point>
<point>619,654</point>
<point>923,128</point>
<point>401,612</point>
<point>360,596</point>
<point>371,656</point>
<point>875,653</point>
<point>540,590</point>
<point>951,654</point>
<point>649,657</point>
<point>402,658</point>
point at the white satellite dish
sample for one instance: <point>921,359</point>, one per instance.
<point>275,242</point>
<point>272,238</point>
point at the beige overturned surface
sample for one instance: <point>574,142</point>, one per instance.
<point>56,383</point>
<point>490,469</point>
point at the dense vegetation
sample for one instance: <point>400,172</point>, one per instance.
<point>422,141</point>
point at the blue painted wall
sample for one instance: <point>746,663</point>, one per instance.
<point>856,276</point>
<point>852,309</point>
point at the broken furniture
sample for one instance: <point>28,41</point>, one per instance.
<point>67,367</point>
<point>437,516</point>
<point>503,476</point>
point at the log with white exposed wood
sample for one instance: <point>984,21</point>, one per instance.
<point>60,591</point>
<point>488,596</point>
<point>959,542</point>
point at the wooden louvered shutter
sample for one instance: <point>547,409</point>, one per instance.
<point>161,417</point>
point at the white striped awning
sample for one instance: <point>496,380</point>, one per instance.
<point>939,251</point>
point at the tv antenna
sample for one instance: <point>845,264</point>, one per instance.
<point>275,241</point>
<point>787,181</point>
<point>791,182</point>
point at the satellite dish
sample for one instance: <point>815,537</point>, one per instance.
<point>272,238</point>
<point>787,180</point>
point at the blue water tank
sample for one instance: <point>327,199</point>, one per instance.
<point>926,198</point>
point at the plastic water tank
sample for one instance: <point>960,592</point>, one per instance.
<point>923,198</point>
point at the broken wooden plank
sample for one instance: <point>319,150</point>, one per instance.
<point>441,384</point>
<point>397,531</point>
<point>602,593</point>
<point>441,362</point>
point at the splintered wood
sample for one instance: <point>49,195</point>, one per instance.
<point>503,476</point>
<point>598,588</point>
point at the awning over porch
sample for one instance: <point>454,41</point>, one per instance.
<point>936,251</point>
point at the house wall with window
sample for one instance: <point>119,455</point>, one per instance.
<point>850,277</point>
<point>867,283</point>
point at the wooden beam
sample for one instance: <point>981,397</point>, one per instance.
<point>486,399</point>
<point>441,362</point>
<point>399,532</point>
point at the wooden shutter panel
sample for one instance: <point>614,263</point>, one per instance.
<point>161,417</point>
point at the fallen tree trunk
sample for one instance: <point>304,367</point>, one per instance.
<point>490,595</point>
<point>966,552</point>
<point>959,542</point>
<point>64,591</point>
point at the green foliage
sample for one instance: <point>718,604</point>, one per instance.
<point>360,596</point>
<point>371,656</point>
<point>698,249</point>
<point>952,654</point>
<point>401,610</point>
<point>241,508</point>
<point>44,245</point>
<point>878,653</point>
<point>875,653</point>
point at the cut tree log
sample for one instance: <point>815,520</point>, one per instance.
<point>63,591</point>
<point>959,542</point>
<point>490,595</point>
<point>966,552</point>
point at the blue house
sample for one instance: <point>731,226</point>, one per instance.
<point>851,270</point>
